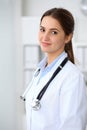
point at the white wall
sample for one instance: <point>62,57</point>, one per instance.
<point>36,8</point>
<point>10,72</point>
<point>7,68</point>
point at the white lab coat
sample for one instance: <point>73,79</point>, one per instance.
<point>64,104</point>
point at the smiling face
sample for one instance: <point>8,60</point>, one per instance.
<point>52,37</point>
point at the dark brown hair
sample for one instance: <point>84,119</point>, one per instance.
<point>66,20</point>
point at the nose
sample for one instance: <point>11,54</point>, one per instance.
<point>46,36</point>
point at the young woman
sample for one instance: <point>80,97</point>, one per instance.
<point>56,97</point>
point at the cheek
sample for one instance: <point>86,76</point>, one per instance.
<point>55,40</point>
<point>58,42</point>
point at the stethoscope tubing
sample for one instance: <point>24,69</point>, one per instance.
<point>45,87</point>
<point>28,88</point>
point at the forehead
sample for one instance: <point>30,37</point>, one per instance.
<point>50,22</point>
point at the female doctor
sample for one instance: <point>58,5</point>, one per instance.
<point>56,97</point>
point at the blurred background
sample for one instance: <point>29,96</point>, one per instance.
<point>20,52</point>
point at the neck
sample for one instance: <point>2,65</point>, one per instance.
<point>52,57</point>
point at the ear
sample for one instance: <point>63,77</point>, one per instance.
<point>68,38</point>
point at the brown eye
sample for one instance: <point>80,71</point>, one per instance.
<point>54,32</point>
<point>42,29</point>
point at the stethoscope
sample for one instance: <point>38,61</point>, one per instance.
<point>36,105</point>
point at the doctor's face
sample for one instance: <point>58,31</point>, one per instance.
<point>51,36</point>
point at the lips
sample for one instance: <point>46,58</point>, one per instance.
<point>45,44</point>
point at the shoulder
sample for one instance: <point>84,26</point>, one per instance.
<point>73,69</point>
<point>73,78</point>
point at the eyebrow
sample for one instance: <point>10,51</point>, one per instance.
<point>51,28</point>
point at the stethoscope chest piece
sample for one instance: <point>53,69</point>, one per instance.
<point>36,104</point>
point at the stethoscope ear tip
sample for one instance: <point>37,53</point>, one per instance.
<point>21,97</point>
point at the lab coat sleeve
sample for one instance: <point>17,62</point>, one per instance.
<point>73,104</point>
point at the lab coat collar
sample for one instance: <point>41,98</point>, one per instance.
<point>44,61</point>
